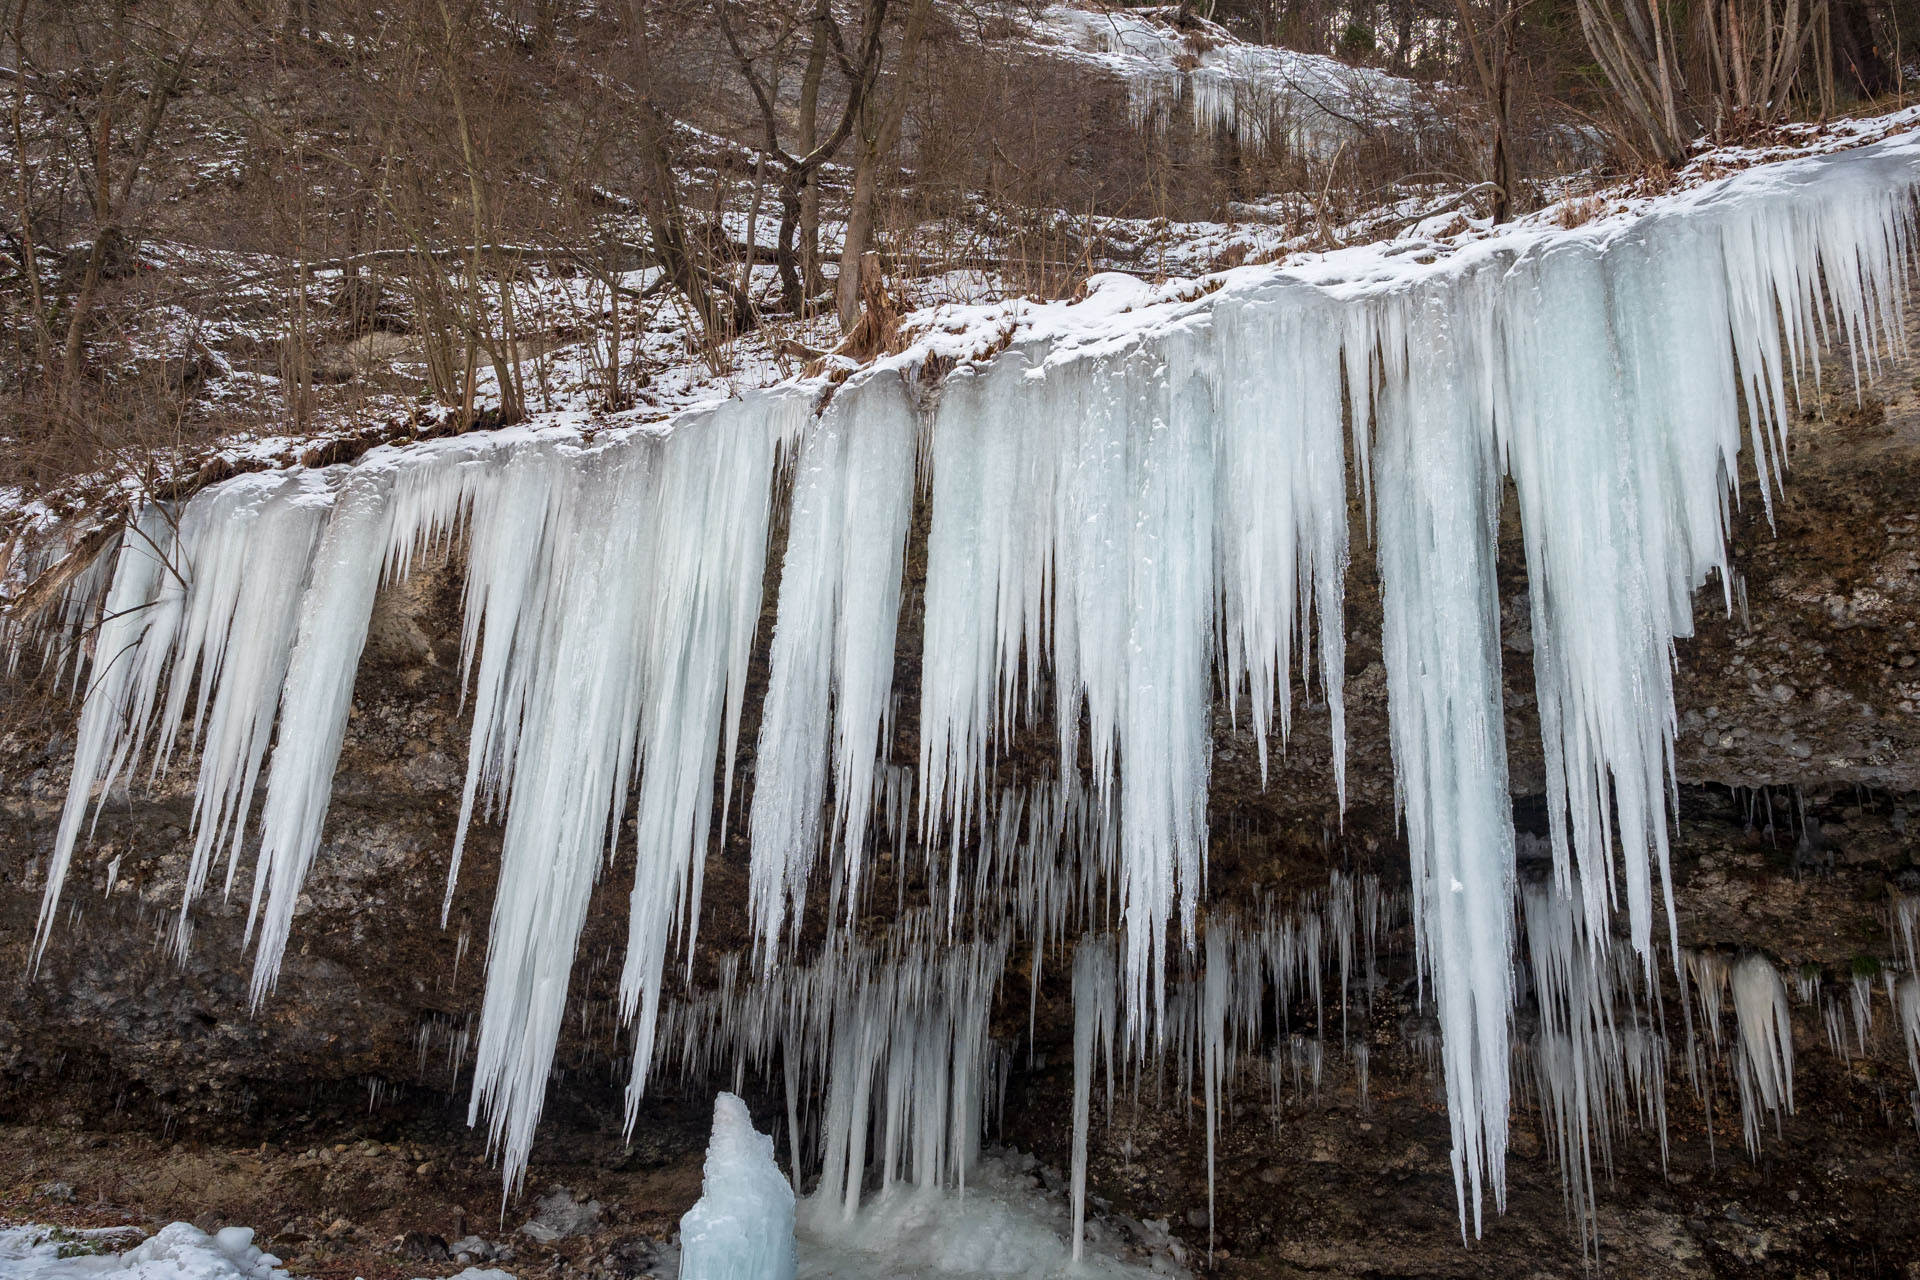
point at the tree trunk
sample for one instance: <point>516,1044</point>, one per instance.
<point>1858,63</point>
<point>807,201</point>
<point>881,116</point>
<point>659,198</point>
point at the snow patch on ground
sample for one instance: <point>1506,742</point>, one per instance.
<point>180,1251</point>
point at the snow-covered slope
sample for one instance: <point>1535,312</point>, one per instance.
<point>1264,96</point>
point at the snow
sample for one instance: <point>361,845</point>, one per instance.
<point>1266,97</point>
<point>179,1251</point>
<point>1130,497</point>
<point>741,1228</point>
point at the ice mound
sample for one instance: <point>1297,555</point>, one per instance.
<point>742,1226</point>
<point>1000,1225</point>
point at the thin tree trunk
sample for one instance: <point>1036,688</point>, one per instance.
<point>29,252</point>
<point>879,130</point>
<point>807,201</point>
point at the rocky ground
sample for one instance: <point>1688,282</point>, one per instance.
<point>137,1087</point>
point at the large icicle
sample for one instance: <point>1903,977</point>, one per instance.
<point>832,659</point>
<point>710,547</point>
<point>989,561</point>
<point>625,653</point>
<point>1134,563</point>
<point>1281,514</point>
<point>313,710</point>
<point>1439,505</point>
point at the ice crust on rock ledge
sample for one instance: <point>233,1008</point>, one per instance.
<point>1137,501</point>
<point>741,1228</point>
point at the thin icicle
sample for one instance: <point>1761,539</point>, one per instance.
<point>1094,1009</point>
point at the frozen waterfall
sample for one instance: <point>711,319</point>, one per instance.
<point>1126,519</point>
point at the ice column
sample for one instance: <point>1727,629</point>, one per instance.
<point>741,1228</point>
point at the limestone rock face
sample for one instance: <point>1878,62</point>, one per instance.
<point>1798,759</point>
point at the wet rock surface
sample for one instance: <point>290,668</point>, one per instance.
<point>140,1079</point>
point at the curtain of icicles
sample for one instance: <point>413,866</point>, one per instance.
<point>1121,531</point>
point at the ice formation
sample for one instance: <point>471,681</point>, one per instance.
<point>1004,1228</point>
<point>741,1228</point>
<point>1906,1005</point>
<point>1598,1053</point>
<point>1093,1017</point>
<point>1123,522</point>
<point>1766,1042</point>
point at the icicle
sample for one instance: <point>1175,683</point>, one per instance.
<point>989,554</point>
<point>1436,486</point>
<point>313,711</point>
<point>1621,487</point>
<point>1766,1043</point>
<point>1094,996</point>
<point>1216,989</point>
<point>1905,926</point>
<point>1281,517</point>
<point>214,590</point>
<point>832,646</point>
<point>1907,1009</point>
<point>710,546</point>
<point>1135,593</point>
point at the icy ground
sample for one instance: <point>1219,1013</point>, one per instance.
<point>1005,1224</point>
<point>179,1251</point>
<point>1002,1224</point>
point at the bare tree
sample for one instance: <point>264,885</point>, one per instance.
<point>722,306</point>
<point>145,57</point>
<point>1490,38</point>
<point>876,131</point>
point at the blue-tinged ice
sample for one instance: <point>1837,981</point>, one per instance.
<point>741,1228</point>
